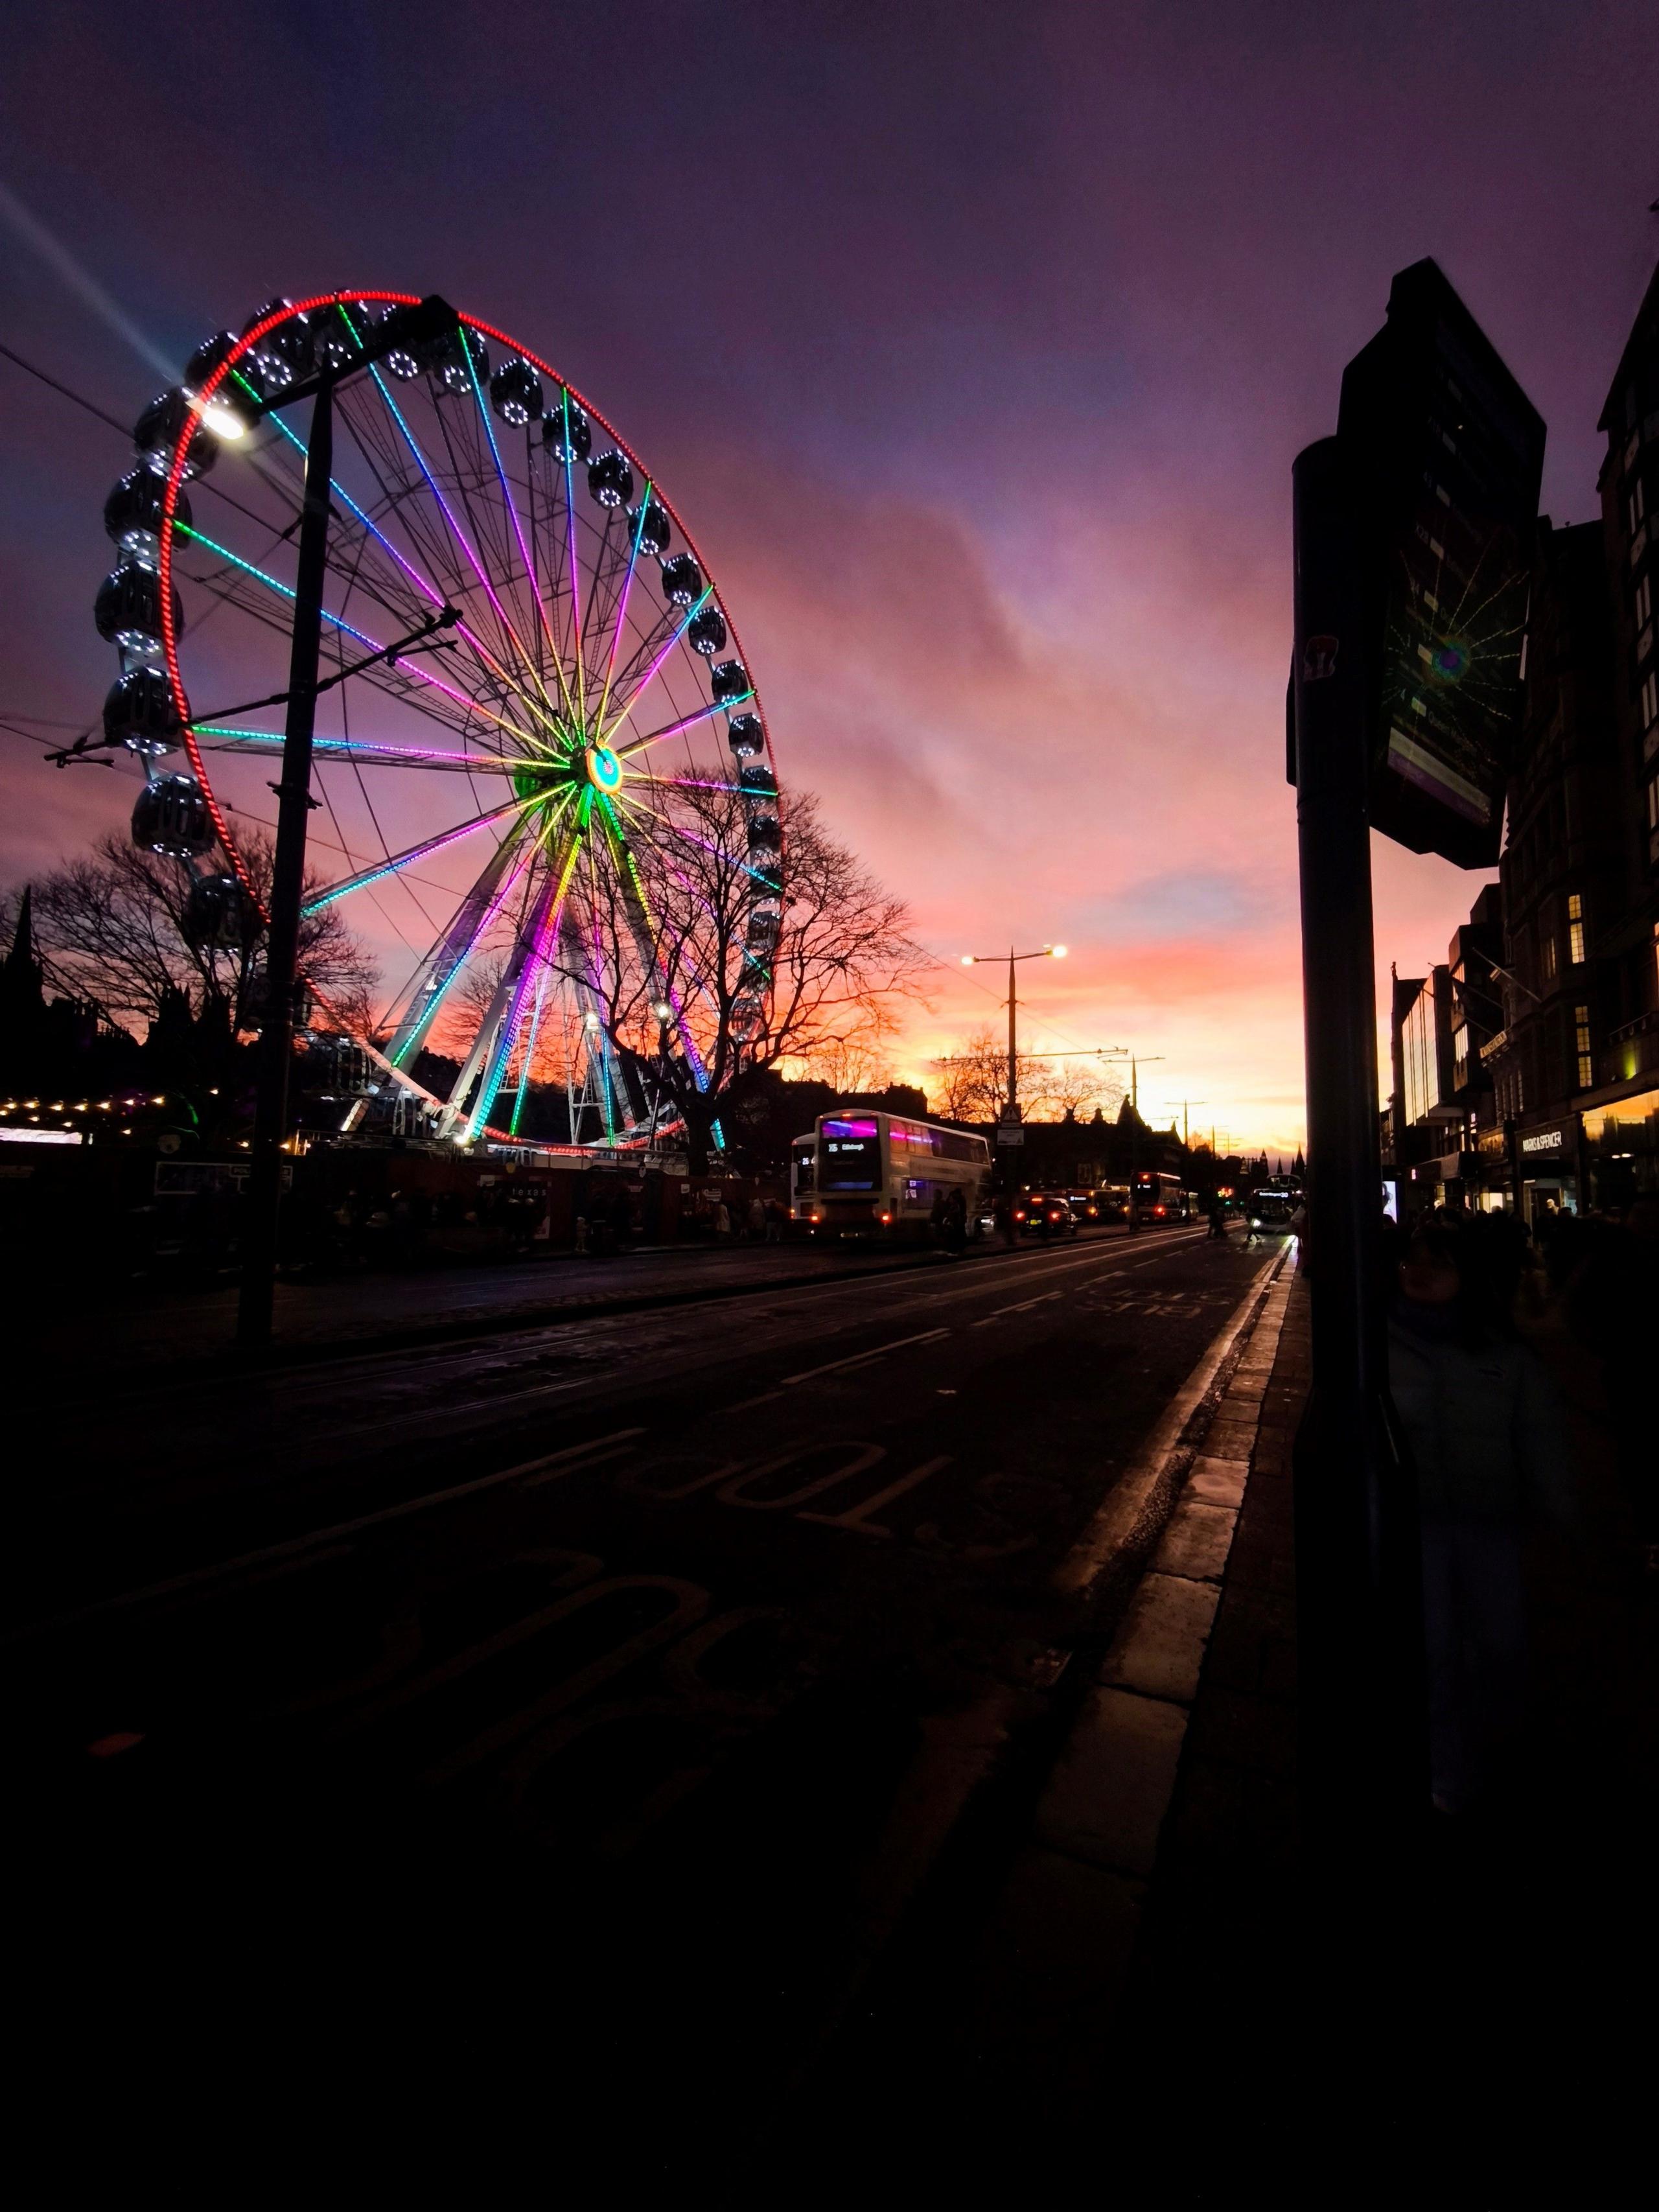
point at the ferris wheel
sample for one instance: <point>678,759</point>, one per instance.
<point>534,717</point>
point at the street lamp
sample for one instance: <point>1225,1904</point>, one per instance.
<point>664,1014</point>
<point>1011,1111</point>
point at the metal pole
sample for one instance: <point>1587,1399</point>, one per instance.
<point>259,1235</point>
<point>1358,1571</point>
<point>1013,1073</point>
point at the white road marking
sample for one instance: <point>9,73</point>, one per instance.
<point>294,1544</point>
<point>1024,1306</point>
<point>1114,1524</point>
<point>857,1517</point>
<point>858,1358</point>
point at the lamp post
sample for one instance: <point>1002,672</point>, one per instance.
<point>1011,1111</point>
<point>664,1014</point>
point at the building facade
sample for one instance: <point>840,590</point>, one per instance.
<point>1527,1069</point>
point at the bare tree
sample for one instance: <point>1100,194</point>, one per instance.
<point>973,1082</point>
<point>111,929</point>
<point>974,1079</point>
<point>855,1062</point>
<point>733,970</point>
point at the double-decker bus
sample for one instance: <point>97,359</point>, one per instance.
<point>1158,1197</point>
<point>879,1174</point>
<point>803,1177</point>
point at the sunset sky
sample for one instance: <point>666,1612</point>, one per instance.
<point>974,342</point>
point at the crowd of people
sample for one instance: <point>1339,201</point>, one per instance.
<point>1471,1297</point>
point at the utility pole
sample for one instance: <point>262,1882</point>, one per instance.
<point>294,803</point>
<point>1184,1103</point>
<point>1009,1131</point>
<point>410,328</point>
<point>1134,1137</point>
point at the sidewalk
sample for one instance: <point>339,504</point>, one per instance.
<point>1162,1965</point>
<point>1169,1825</point>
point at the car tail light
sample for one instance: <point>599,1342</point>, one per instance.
<point>1158,1210</point>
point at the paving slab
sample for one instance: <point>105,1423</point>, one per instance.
<point>1159,1650</point>
<point>1217,1481</point>
<point>1230,1439</point>
<point>1197,1541</point>
<point>1107,1797</point>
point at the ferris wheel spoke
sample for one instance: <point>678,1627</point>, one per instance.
<point>390,865</point>
<point>253,574</point>
<point>214,737</point>
<point>676,729</point>
<point>672,639</point>
<point>359,513</point>
<point>769,883</point>
<point>459,535</point>
<point>468,474</point>
<point>518,531</point>
<point>621,603</point>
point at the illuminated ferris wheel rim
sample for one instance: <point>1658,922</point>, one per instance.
<point>535,761</point>
<point>203,400</point>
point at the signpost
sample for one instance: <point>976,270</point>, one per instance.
<point>1446,453</point>
<point>1412,546</point>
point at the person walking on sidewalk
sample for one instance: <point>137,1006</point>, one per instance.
<point>1486,1439</point>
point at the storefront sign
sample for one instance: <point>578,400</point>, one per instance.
<point>1542,1140</point>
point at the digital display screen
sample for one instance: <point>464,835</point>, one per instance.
<point>850,1154</point>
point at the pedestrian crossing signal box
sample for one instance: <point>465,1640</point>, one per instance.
<point>1445,455</point>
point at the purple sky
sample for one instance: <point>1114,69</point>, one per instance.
<point>974,343</point>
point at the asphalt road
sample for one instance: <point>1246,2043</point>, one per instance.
<point>595,1695</point>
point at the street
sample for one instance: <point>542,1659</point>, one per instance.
<point>614,1682</point>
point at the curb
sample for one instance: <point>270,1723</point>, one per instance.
<point>1106,1802</point>
<point>1064,1931</point>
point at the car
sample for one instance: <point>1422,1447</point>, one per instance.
<point>1044,1213</point>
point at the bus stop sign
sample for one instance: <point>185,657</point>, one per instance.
<point>1445,453</point>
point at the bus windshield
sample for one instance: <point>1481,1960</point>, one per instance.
<point>851,1154</point>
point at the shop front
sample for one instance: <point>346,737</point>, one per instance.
<point>1621,1150</point>
<point>1548,1154</point>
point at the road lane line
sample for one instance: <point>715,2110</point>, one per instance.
<point>198,1577</point>
<point>1116,1518</point>
<point>1024,1306</point>
<point>858,1358</point>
